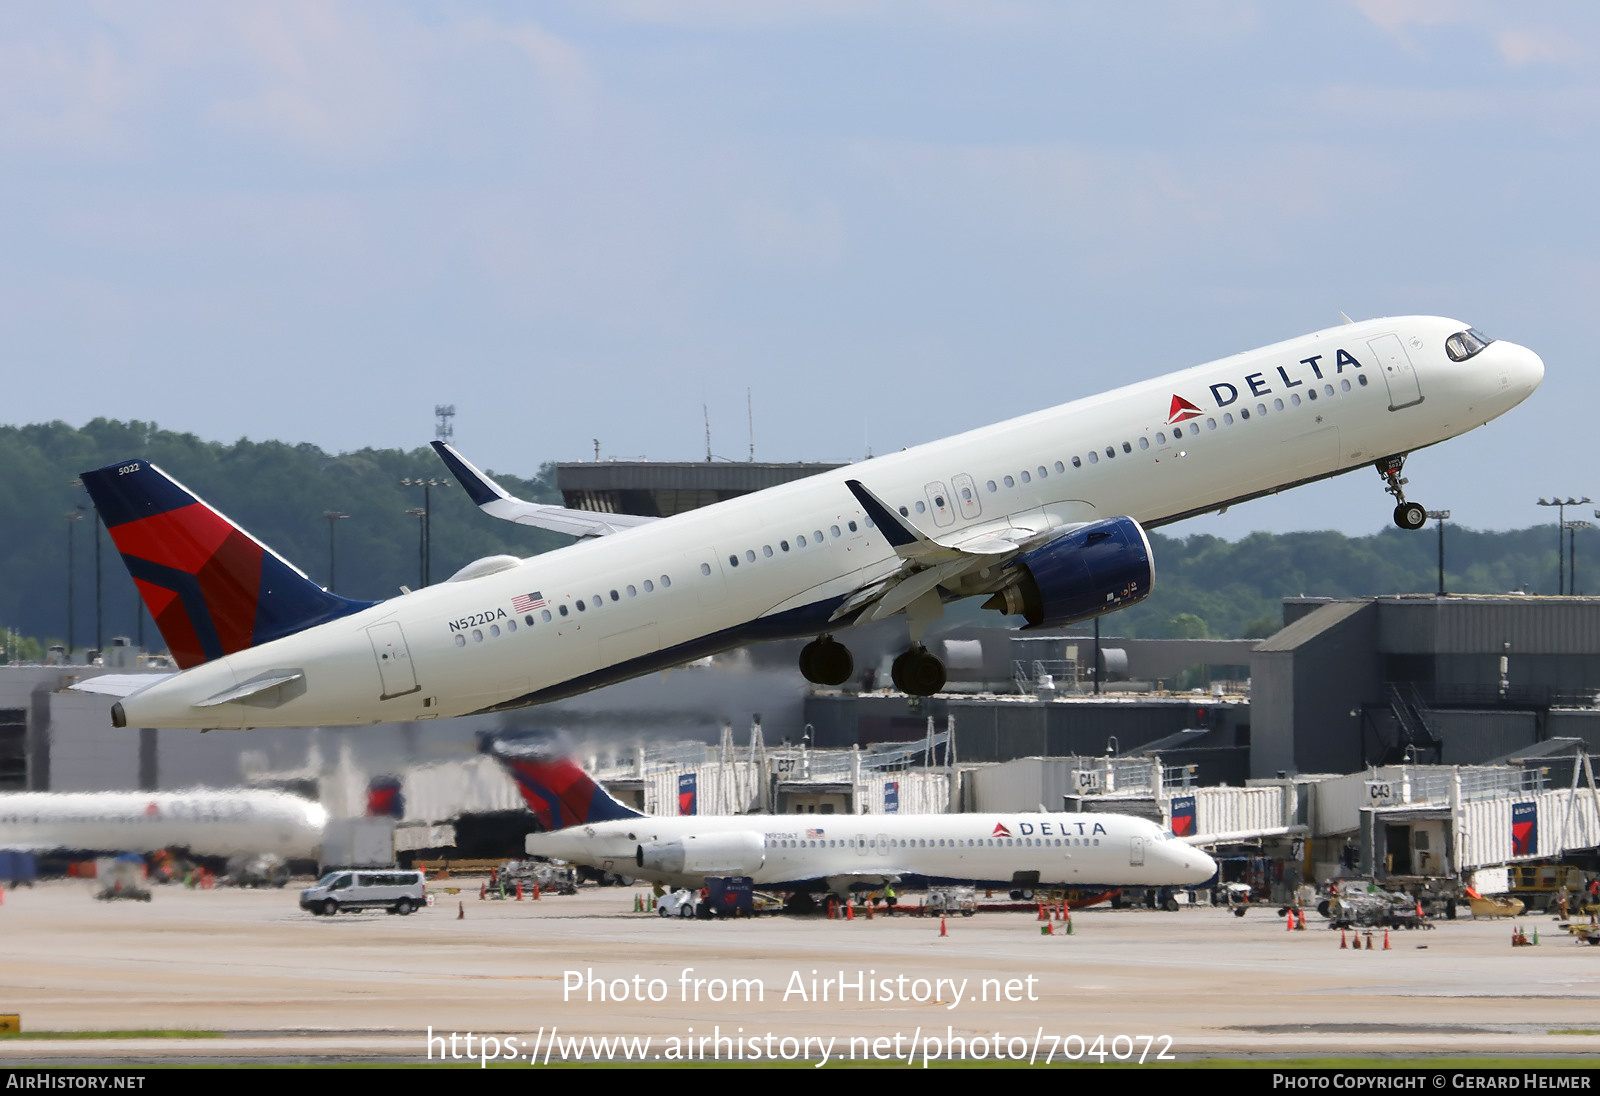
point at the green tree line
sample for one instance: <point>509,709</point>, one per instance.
<point>277,491</point>
<point>1204,585</point>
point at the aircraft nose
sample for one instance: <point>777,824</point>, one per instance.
<point>1521,369</point>
<point>1199,864</point>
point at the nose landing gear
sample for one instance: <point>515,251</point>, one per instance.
<point>1407,515</point>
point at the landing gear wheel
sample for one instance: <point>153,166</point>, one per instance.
<point>1407,515</point>
<point>918,673</point>
<point>826,661</point>
<point>800,902</point>
<point>1410,515</point>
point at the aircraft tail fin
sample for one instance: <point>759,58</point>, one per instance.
<point>555,787</point>
<point>211,587</point>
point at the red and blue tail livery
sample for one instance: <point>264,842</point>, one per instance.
<point>212,588</point>
<point>555,787</point>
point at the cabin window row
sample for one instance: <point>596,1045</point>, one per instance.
<point>939,842</point>
<point>583,605</point>
<point>1178,431</point>
<point>800,541</point>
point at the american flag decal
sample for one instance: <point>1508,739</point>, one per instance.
<point>527,603</point>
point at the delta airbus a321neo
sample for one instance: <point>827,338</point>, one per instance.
<point>581,823</point>
<point>1044,515</point>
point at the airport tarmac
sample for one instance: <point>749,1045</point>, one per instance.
<point>282,985</point>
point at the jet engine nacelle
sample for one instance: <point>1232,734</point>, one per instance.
<point>1080,574</point>
<point>739,853</point>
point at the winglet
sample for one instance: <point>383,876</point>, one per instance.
<point>495,501</point>
<point>894,529</point>
<point>480,488</point>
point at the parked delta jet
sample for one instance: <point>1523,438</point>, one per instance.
<point>584,825</point>
<point>239,821</point>
<point>1044,515</point>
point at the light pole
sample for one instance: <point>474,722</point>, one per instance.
<point>1572,528</point>
<point>334,517</point>
<point>1561,517</point>
<point>73,517</point>
<point>422,545</point>
<point>427,486</point>
<point>1440,516</point>
<point>99,602</point>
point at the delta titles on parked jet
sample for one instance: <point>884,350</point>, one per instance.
<point>1044,515</point>
<point>239,821</point>
<point>583,824</point>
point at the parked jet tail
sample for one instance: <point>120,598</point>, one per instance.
<point>555,787</point>
<point>211,587</point>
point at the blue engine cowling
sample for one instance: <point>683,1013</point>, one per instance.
<point>1080,574</point>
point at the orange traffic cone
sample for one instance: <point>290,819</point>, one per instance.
<point>1288,921</point>
<point>1386,940</point>
<point>1342,942</point>
<point>942,930</point>
<point>849,910</point>
<point>1300,923</point>
<point>519,890</point>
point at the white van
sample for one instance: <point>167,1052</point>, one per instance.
<point>379,888</point>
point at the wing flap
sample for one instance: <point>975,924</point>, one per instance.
<point>926,562</point>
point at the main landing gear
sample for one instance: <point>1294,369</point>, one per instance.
<point>918,673</point>
<point>1407,515</point>
<point>826,661</point>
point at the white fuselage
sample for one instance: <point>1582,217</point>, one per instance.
<point>1044,849</point>
<point>778,562</point>
<point>207,823</point>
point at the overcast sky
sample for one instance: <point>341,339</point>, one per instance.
<point>889,221</point>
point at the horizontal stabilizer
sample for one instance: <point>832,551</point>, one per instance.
<point>118,685</point>
<point>493,500</point>
<point>255,686</point>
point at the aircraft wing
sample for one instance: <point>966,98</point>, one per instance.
<point>493,500</point>
<point>118,685</point>
<point>927,563</point>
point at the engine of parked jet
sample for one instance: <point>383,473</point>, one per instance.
<point>739,853</point>
<point>1083,573</point>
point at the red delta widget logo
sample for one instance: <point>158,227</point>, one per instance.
<point>1524,829</point>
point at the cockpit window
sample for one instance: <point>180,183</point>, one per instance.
<point>1463,344</point>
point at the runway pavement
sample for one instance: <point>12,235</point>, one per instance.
<point>282,985</point>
